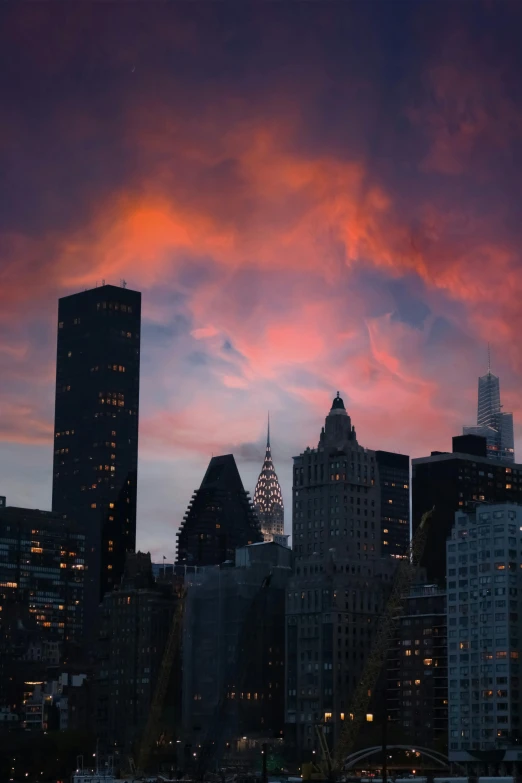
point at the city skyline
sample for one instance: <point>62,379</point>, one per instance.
<point>335,208</point>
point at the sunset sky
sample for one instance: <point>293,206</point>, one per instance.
<point>311,196</point>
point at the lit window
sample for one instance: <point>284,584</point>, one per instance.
<point>369,717</point>
<point>111,505</point>
<point>428,661</point>
<point>390,501</point>
<point>109,567</point>
<point>327,716</point>
<point>93,505</point>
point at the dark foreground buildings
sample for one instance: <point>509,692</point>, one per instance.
<point>96,427</point>
<point>42,569</point>
<point>234,649</point>
<point>458,481</point>
<point>135,622</point>
<point>220,517</point>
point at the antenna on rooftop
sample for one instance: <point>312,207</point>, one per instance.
<point>123,283</point>
<point>489,359</point>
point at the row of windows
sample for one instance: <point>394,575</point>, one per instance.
<point>114,306</point>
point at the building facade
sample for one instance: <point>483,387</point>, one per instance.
<point>394,481</point>
<point>220,517</point>
<point>233,649</point>
<point>341,581</point>
<point>417,670</point>
<point>458,481</point>
<point>96,427</point>
<point>135,622</point>
<point>42,567</point>
<point>268,498</point>
<point>492,423</point>
<point>484,614</point>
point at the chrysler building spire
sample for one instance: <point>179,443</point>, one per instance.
<point>268,498</point>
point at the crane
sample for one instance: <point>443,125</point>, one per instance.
<point>171,647</point>
<point>332,764</point>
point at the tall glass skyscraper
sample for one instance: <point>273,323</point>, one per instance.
<point>492,423</point>
<point>96,428</point>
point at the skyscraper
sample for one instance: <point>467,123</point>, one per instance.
<point>394,481</point>
<point>96,427</point>
<point>268,498</point>
<point>492,423</point>
<point>341,581</point>
<point>458,481</point>
<point>220,517</point>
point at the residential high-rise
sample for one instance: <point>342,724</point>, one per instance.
<point>96,427</point>
<point>341,581</point>
<point>484,563</point>
<point>394,481</point>
<point>492,423</point>
<point>417,670</point>
<point>458,481</point>
<point>220,517</point>
<point>268,498</point>
<point>42,568</point>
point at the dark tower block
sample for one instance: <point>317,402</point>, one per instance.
<point>394,480</point>
<point>96,428</point>
<point>220,517</point>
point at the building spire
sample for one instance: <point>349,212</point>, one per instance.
<point>489,360</point>
<point>268,498</point>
